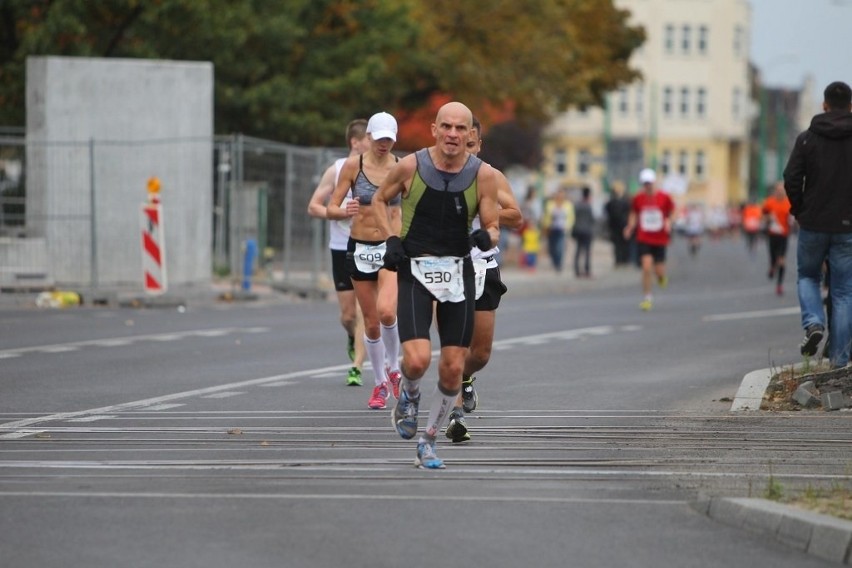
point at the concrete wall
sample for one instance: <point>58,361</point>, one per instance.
<point>97,129</point>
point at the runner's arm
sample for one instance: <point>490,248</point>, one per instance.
<point>395,184</point>
<point>489,215</point>
<point>317,204</point>
<point>344,183</point>
<point>510,211</point>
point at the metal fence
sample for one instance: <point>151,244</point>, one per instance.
<point>260,189</point>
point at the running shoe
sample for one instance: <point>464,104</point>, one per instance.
<point>379,399</point>
<point>426,456</point>
<point>405,415</point>
<point>646,305</point>
<point>469,397</point>
<point>353,379</point>
<point>813,335</point>
<point>779,290</point>
<point>457,429</point>
<point>663,281</point>
<point>350,348</point>
<point>394,378</point>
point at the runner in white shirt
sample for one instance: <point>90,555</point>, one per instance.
<point>338,232</point>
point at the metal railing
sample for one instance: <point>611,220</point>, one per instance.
<point>260,192</point>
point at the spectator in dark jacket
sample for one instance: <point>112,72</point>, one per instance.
<point>617,212</point>
<point>818,181</point>
<point>583,230</point>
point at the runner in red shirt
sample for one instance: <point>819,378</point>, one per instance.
<point>651,218</point>
<point>776,209</point>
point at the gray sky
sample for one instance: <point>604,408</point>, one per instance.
<point>793,38</point>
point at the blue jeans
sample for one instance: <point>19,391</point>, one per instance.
<point>556,247</point>
<point>812,250</point>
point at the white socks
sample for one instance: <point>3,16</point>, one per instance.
<point>390,337</point>
<point>376,355</point>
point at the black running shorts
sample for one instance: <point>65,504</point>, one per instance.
<point>342,281</point>
<point>656,251</point>
<point>415,304</point>
<point>494,289</point>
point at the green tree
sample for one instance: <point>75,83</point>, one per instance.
<point>291,70</point>
<point>540,56</point>
<point>299,70</point>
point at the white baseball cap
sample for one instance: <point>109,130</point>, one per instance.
<point>647,176</point>
<point>382,125</point>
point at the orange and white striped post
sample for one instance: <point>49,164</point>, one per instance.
<point>153,241</point>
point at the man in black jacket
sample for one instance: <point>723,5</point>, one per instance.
<point>818,181</point>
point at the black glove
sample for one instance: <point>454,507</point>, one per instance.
<point>481,239</point>
<point>394,253</point>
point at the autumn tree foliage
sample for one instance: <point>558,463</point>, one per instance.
<point>299,70</point>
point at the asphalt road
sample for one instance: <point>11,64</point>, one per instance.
<point>223,435</point>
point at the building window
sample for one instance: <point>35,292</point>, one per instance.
<point>584,160</point>
<point>701,102</point>
<point>623,102</point>
<point>700,164</point>
<point>640,100</point>
<point>686,38</point>
<point>739,40</point>
<point>667,101</point>
<point>684,102</point>
<point>560,161</point>
<point>669,38</point>
<point>736,103</point>
<point>683,162</point>
<point>666,162</point>
<point>703,37</point>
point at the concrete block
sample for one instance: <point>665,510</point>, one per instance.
<point>831,539</point>
<point>834,400</point>
<point>795,532</point>
<point>806,395</point>
<point>97,129</point>
<point>727,511</point>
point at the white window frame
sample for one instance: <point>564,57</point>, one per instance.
<point>668,95</point>
<point>669,38</point>
<point>703,41</point>
<point>686,39</point>
<point>700,165</point>
<point>701,102</point>
<point>560,161</point>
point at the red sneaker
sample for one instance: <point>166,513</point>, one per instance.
<point>379,398</point>
<point>394,378</point>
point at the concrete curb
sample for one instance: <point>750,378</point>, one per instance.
<point>823,536</point>
<point>752,388</point>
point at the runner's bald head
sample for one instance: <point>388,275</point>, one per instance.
<point>457,110</point>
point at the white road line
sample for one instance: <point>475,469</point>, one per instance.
<point>156,407</point>
<point>93,418</point>
<point>753,315</point>
<point>119,341</point>
<point>226,394</point>
<point>379,466</point>
<point>14,428</point>
<point>339,496</point>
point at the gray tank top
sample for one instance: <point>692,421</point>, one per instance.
<point>364,189</point>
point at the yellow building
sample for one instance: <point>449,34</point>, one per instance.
<point>688,117</point>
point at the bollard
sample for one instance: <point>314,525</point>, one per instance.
<point>248,262</point>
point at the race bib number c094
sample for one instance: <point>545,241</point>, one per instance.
<point>369,258</point>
